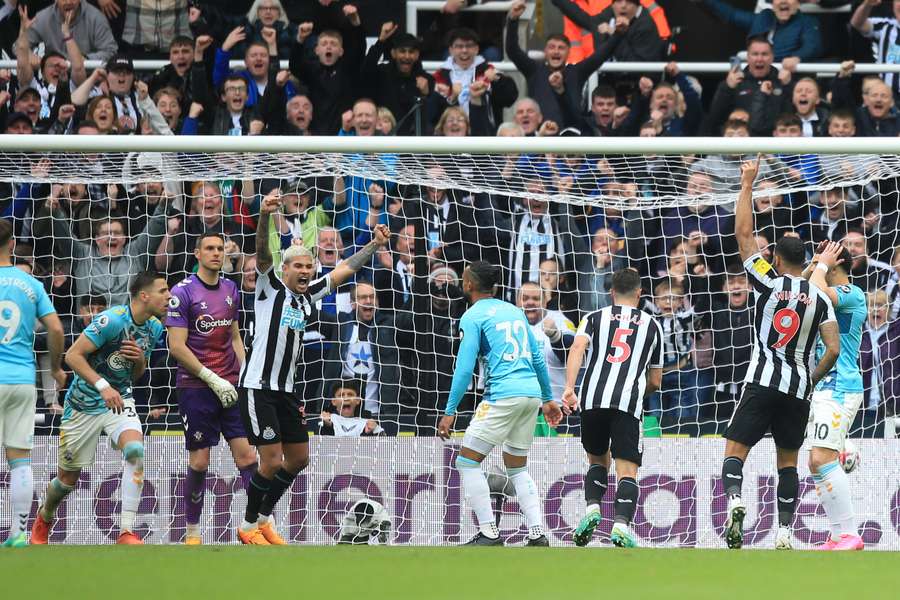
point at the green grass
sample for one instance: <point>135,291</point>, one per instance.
<point>364,573</point>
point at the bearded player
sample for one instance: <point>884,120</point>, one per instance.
<point>204,338</point>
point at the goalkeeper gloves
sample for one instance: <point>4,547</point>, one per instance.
<point>220,387</point>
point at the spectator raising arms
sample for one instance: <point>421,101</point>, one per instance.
<point>400,85</point>
<point>331,75</point>
<point>570,78</point>
<point>794,36</point>
<point>88,27</point>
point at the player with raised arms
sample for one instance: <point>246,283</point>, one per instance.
<point>23,301</point>
<point>624,365</point>
<point>517,383</point>
<point>272,412</point>
<point>790,314</point>
<point>204,338</point>
<point>107,358</point>
<point>838,396</point>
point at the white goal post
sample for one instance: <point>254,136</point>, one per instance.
<point>557,214</point>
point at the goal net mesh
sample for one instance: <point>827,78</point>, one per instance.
<point>557,225</point>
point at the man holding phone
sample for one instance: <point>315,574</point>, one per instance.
<point>758,88</point>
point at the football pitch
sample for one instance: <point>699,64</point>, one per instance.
<point>332,573</point>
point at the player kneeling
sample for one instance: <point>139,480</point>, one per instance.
<point>109,356</point>
<point>625,362</point>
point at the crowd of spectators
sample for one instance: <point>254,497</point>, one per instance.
<point>380,359</point>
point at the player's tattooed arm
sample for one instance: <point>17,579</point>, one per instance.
<point>831,336</point>
<point>269,205</point>
<point>345,270</point>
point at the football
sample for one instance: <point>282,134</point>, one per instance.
<point>849,457</point>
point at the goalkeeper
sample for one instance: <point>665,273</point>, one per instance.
<point>204,338</point>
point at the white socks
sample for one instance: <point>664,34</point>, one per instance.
<point>833,488</point>
<point>529,501</point>
<point>21,492</point>
<point>132,486</point>
<point>478,495</point>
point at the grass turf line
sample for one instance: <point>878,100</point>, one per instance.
<point>331,573</point>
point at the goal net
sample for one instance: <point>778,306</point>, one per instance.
<point>558,216</point>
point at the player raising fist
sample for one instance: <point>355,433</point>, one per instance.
<point>271,411</point>
<point>790,314</point>
<point>204,338</point>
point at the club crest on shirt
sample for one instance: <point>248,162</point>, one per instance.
<point>228,300</point>
<point>117,362</point>
<point>203,305</point>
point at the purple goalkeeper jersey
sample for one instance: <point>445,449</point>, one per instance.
<point>207,312</point>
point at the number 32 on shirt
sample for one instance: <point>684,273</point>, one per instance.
<point>516,338</point>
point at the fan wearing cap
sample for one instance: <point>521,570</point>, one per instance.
<point>120,79</point>
<point>28,102</point>
<point>401,83</point>
<point>18,123</point>
<point>299,219</point>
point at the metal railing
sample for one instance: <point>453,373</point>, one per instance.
<point>414,6</point>
<point>609,67</point>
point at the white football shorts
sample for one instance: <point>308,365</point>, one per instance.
<point>508,421</point>
<point>79,434</point>
<point>830,417</point>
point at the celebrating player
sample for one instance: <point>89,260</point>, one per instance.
<point>624,366</point>
<point>22,301</point>
<point>789,314</point>
<point>517,384</point>
<point>107,358</point>
<point>271,411</point>
<point>837,397</point>
<point>205,339</point>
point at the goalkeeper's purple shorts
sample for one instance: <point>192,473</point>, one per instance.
<point>205,418</point>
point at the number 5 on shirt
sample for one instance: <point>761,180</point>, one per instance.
<point>620,342</point>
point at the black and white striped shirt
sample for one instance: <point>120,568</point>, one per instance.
<point>281,318</point>
<point>678,334</point>
<point>534,241</point>
<point>789,311</point>
<point>624,343</point>
<point>886,47</point>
